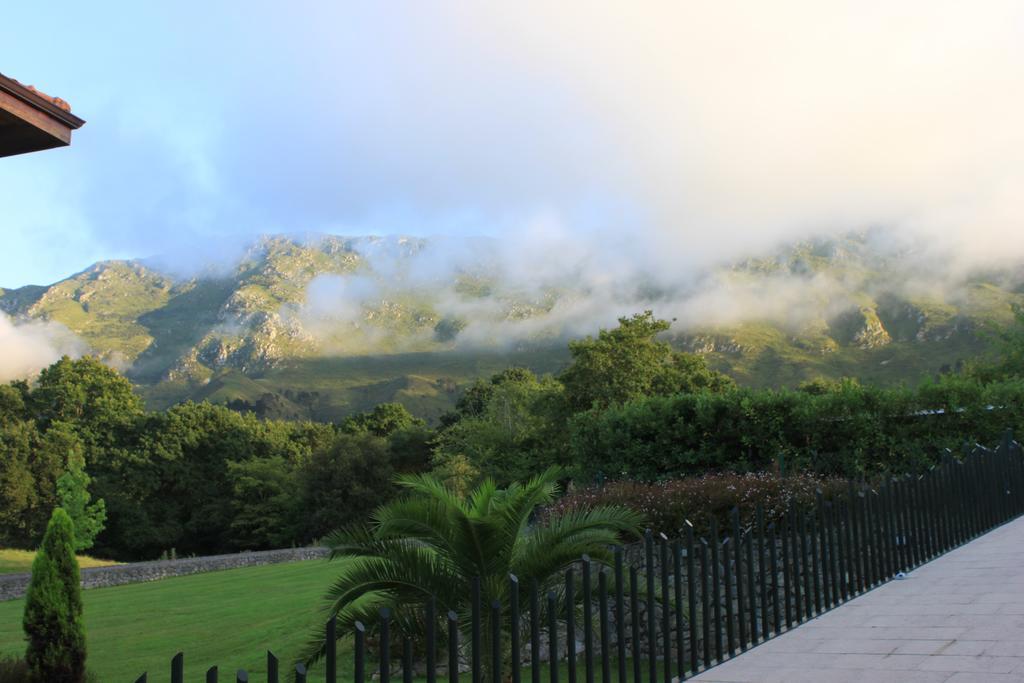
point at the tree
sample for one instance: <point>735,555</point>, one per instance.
<point>30,464</point>
<point>628,362</point>
<point>433,542</point>
<point>19,492</point>
<point>1009,352</point>
<point>411,449</point>
<point>87,517</point>
<point>53,608</point>
<point>382,421</point>
<point>86,393</point>
<point>477,395</point>
<point>512,433</point>
<point>266,501</point>
<point>343,483</point>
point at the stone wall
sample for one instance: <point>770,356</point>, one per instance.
<point>13,586</point>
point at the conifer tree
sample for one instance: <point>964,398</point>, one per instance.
<point>53,608</point>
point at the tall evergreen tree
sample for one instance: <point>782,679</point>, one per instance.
<point>53,608</point>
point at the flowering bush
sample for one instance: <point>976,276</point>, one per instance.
<point>667,505</point>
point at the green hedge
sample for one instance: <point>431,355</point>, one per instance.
<point>845,430</point>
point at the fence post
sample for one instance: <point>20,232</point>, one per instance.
<point>751,587</point>
<point>570,625</point>
<point>300,673</point>
<point>716,587</point>
<point>535,630</point>
<point>805,563</point>
<point>727,555</point>
<point>495,642</point>
<point>385,645</point>
<point>691,597</point>
<point>874,508</point>
<point>552,640</point>
<point>360,654</point>
<point>762,566</point>
<point>738,556</point>
<point>777,618</point>
<point>787,572</point>
<point>834,556</point>
<point>272,676</point>
<point>884,519</point>
<point>652,636</point>
<point>406,659</point>
<point>705,603</point>
<point>588,621</point>
<point>178,668</point>
<point>332,650</point>
<point>925,518</point>
<point>431,643</point>
<point>634,609</point>
<point>856,539</point>
<point>826,588</point>
<point>797,562</point>
<point>241,676</point>
<point>677,566</point>
<point>903,551</point>
<point>620,613</point>
<point>815,564</point>
<point>850,581</point>
<point>514,635</point>
<point>602,598</point>
<point>453,647</point>
<point>666,616</point>
<point>211,675</point>
<point>476,654</point>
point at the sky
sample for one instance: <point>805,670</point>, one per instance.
<point>666,135</point>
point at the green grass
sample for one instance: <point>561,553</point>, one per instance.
<point>227,618</point>
<point>19,561</point>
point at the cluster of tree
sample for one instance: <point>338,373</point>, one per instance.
<point>199,478</point>
<point>630,407</point>
<point>516,424</point>
<point>202,478</point>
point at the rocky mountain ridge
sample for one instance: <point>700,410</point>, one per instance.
<point>289,302</point>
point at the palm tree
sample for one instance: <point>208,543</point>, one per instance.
<point>434,543</point>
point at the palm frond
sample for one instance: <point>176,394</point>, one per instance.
<point>432,487</point>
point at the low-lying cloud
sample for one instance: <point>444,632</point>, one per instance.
<point>26,347</point>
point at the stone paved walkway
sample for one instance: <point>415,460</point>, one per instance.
<point>958,619</point>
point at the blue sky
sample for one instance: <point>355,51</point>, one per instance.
<point>212,120</point>
<point>690,130</point>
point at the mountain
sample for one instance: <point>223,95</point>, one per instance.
<point>322,326</point>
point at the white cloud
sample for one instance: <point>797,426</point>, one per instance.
<point>26,347</point>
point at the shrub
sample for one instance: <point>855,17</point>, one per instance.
<point>667,505</point>
<point>13,670</point>
<point>53,608</point>
<point>845,430</point>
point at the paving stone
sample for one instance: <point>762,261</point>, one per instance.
<point>957,619</point>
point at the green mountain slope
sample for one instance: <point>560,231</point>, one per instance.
<point>325,326</point>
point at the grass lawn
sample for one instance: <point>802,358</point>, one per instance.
<point>228,618</point>
<point>18,561</point>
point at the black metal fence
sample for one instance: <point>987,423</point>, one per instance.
<point>668,609</point>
